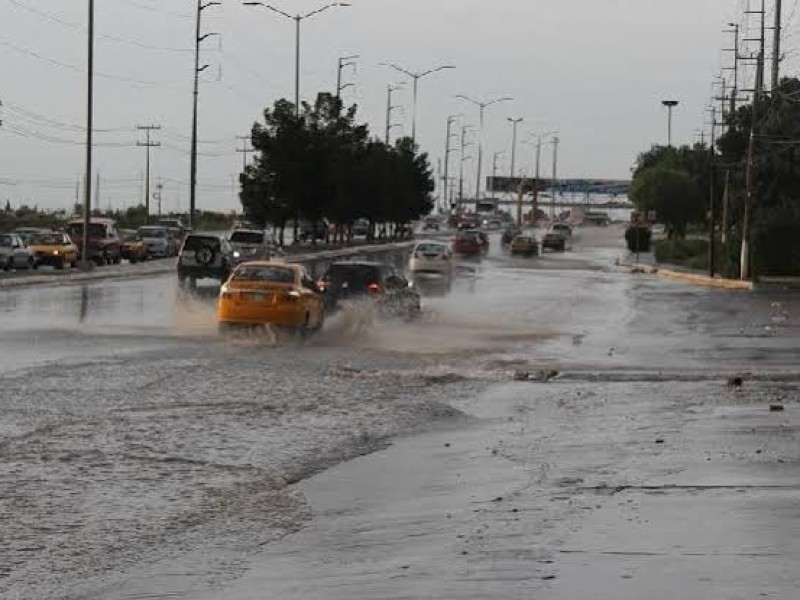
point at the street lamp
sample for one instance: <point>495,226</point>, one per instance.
<point>416,76</point>
<point>482,106</point>
<point>670,104</point>
<point>297,19</point>
<point>514,124</point>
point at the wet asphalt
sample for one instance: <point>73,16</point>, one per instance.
<point>551,428</point>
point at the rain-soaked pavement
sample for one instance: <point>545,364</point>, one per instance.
<point>143,456</point>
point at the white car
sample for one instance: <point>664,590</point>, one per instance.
<point>431,257</point>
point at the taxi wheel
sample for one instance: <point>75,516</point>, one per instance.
<point>59,265</point>
<point>32,264</point>
<point>320,321</point>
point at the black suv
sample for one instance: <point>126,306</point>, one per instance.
<point>393,294</point>
<point>205,255</point>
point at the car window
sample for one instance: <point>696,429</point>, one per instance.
<point>269,274</point>
<point>247,237</point>
<point>153,232</point>
<point>195,242</point>
<point>48,238</point>
<point>431,248</point>
<point>6,241</point>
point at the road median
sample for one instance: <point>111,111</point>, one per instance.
<point>156,268</point>
<point>693,278</point>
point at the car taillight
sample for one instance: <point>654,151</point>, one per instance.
<point>374,288</point>
<point>322,285</point>
<point>293,295</point>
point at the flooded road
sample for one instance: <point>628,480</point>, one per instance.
<point>553,427</point>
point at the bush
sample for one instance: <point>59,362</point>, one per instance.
<point>638,238</point>
<point>691,253</point>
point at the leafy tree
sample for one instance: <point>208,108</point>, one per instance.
<point>322,164</point>
<point>672,193</point>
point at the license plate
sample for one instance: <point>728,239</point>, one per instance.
<point>259,297</point>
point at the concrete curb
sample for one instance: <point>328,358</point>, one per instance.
<point>694,278</point>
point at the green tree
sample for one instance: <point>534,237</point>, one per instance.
<point>672,193</point>
<point>322,164</point>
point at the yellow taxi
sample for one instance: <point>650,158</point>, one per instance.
<point>53,248</point>
<point>524,245</point>
<point>270,293</point>
<point>133,248</point>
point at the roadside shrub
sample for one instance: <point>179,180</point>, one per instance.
<point>638,236</point>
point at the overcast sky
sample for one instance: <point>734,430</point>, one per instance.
<point>595,70</point>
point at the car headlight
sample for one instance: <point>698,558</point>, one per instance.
<point>237,254</point>
<point>55,252</point>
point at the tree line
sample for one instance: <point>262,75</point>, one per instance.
<point>320,166</point>
<point>677,183</point>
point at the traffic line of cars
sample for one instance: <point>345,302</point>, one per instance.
<point>30,248</point>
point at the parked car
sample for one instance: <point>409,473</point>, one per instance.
<point>252,244</point>
<point>205,255</point>
<point>393,295</point>
<point>27,233</point>
<point>103,244</point>
<point>133,248</point>
<point>270,293</point>
<point>14,254</point>
<point>524,245</point>
<point>159,241</point>
<point>467,243</point>
<point>431,257</point>
<point>54,249</point>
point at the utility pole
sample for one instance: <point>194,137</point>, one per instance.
<point>776,46</point>
<point>514,125</point>
<point>147,144</point>
<point>97,190</point>
<point>712,201</point>
<point>745,257</point>
<point>246,149</point>
<point>198,39</point>
<point>345,61</point>
<point>735,68</point>
<point>556,141</point>
<point>463,158</point>
<point>495,156</point>
<point>158,195</point>
<point>390,90</point>
<point>87,201</point>
<point>447,151</point>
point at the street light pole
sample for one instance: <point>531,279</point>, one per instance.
<point>198,39</point>
<point>514,124</point>
<point>670,104</point>
<point>482,107</point>
<point>87,200</point>
<point>416,76</point>
<point>297,19</point>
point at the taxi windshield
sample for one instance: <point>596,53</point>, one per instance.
<point>48,239</point>
<point>268,274</point>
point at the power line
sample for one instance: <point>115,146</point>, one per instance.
<point>80,28</point>
<point>52,61</point>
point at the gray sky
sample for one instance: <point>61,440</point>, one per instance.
<point>595,70</point>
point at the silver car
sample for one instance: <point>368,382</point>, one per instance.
<point>14,254</point>
<point>158,241</point>
<point>252,244</point>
